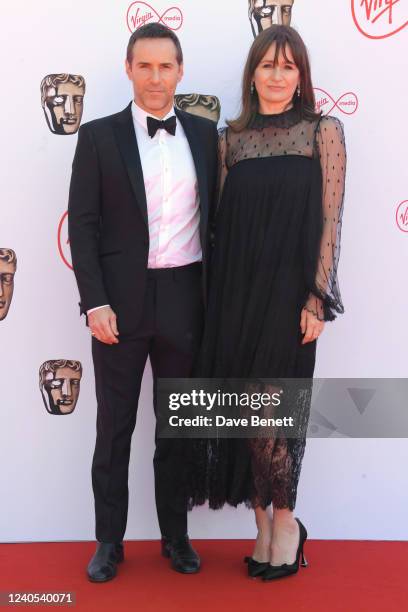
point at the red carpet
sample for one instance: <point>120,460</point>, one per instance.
<point>343,576</point>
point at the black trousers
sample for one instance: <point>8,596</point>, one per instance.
<point>169,333</point>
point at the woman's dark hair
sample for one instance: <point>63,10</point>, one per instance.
<point>283,36</point>
<point>153,30</point>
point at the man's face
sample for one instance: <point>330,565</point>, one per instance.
<point>268,12</point>
<point>155,73</point>
<point>63,390</point>
<point>65,105</point>
<point>7,271</point>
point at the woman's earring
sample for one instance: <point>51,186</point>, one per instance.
<point>252,88</point>
<point>298,91</point>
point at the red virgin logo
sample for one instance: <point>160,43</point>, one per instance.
<point>379,18</point>
<point>63,241</point>
<point>140,13</point>
<point>402,216</point>
<point>347,103</point>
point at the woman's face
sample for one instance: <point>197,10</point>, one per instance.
<point>276,83</point>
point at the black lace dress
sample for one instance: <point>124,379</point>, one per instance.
<point>277,246</point>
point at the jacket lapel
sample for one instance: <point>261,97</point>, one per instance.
<point>199,163</point>
<point>127,143</point>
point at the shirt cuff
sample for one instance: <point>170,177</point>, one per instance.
<point>96,308</point>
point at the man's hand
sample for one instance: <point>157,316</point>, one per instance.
<point>102,323</point>
<point>310,325</point>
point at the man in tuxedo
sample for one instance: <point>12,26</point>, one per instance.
<point>142,188</point>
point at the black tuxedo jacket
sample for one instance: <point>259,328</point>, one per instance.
<point>107,211</point>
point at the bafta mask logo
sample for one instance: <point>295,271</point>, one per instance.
<point>59,385</point>
<point>8,266</point>
<point>62,99</point>
<point>199,104</point>
<point>264,13</point>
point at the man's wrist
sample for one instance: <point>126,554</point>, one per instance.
<point>96,308</point>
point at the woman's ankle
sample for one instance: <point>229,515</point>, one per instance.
<point>262,547</point>
<point>283,517</point>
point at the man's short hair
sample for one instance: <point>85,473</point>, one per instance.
<point>53,80</point>
<point>153,30</point>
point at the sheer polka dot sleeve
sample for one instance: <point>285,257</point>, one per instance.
<point>325,299</point>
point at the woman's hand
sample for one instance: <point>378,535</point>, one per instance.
<point>310,325</point>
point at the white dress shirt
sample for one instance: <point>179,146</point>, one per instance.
<point>171,194</point>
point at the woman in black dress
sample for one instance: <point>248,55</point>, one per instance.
<point>274,281</point>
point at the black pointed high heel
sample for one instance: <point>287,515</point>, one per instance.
<point>279,571</point>
<point>255,568</point>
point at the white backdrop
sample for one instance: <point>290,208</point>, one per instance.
<point>347,487</point>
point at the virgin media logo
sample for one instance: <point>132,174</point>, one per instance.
<point>346,103</point>
<point>63,241</point>
<point>140,13</point>
<point>402,216</point>
<point>379,18</point>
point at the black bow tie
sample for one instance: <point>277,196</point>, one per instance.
<point>155,124</point>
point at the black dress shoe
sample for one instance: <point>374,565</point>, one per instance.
<point>102,566</point>
<point>256,568</point>
<point>287,569</point>
<point>183,557</point>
